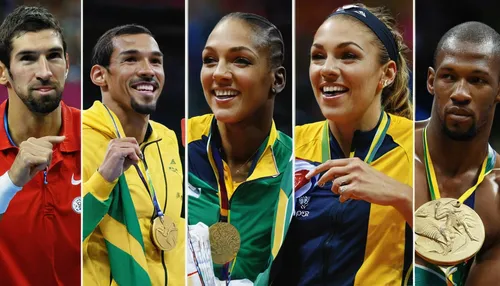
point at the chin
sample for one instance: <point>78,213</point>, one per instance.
<point>226,116</point>
<point>460,135</point>
<point>334,114</point>
<point>143,108</point>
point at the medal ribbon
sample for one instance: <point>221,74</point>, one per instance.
<point>224,200</point>
<point>375,145</point>
<point>486,168</point>
<point>219,166</point>
<point>151,188</point>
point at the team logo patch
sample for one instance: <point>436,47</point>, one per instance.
<point>304,201</point>
<point>303,185</point>
<point>76,205</point>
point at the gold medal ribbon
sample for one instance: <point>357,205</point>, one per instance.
<point>375,145</point>
<point>486,168</point>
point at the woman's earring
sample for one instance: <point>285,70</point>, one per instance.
<point>273,90</point>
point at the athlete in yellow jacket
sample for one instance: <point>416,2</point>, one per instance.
<point>132,172</point>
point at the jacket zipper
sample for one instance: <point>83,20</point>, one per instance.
<point>164,205</point>
<point>326,248</point>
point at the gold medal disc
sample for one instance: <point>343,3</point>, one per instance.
<point>224,242</point>
<point>447,232</point>
<point>164,233</point>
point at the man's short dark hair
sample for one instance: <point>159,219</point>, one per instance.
<point>22,20</point>
<point>470,32</point>
<point>101,54</point>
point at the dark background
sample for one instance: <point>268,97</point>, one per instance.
<point>309,18</point>
<point>433,20</point>
<point>165,19</point>
<point>204,15</point>
<point>69,16</point>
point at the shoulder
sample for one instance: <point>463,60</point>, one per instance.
<point>400,127</point>
<point>421,124</point>
<point>167,134</point>
<point>401,132</point>
<point>308,141</point>
<point>308,133</point>
<point>284,140</point>
<point>198,126</point>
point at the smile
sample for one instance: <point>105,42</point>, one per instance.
<point>145,86</point>
<point>333,91</point>
<point>225,93</point>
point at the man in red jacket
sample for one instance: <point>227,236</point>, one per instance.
<point>40,201</point>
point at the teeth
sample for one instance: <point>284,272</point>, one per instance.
<point>145,87</point>
<point>225,92</point>
<point>333,88</point>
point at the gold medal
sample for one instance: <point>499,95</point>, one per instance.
<point>224,242</point>
<point>164,233</point>
<point>447,232</point>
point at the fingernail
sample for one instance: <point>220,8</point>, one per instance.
<point>308,175</point>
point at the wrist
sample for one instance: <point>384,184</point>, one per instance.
<point>12,179</point>
<point>7,191</point>
<point>105,174</point>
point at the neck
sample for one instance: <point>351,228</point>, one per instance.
<point>134,124</point>
<point>24,124</point>
<point>446,153</point>
<point>240,141</point>
<point>344,131</point>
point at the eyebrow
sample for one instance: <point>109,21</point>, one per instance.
<point>134,52</point>
<point>339,46</point>
<point>31,52</point>
<point>476,71</point>
<point>235,49</point>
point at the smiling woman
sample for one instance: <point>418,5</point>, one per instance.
<point>353,171</point>
<point>239,163</point>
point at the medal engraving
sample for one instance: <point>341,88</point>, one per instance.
<point>164,233</point>
<point>224,242</point>
<point>447,232</point>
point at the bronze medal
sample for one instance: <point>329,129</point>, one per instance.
<point>164,233</point>
<point>447,232</point>
<point>224,242</point>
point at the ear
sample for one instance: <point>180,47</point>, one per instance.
<point>98,75</point>
<point>431,74</point>
<point>390,72</point>
<point>67,66</point>
<point>4,75</point>
<point>279,79</point>
<point>497,97</point>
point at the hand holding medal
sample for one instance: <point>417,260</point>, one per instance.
<point>163,230</point>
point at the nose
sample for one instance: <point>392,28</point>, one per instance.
<point>461,94</point>
<point>222,73</point>
<point>330,69</point>
<point>43,72</point>
<point>145,69</point>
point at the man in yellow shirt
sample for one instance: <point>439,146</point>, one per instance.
<point>133,232</point>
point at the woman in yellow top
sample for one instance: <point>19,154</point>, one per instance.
<point>239,163</point>
<point>353,171</point>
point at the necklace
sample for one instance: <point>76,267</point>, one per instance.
<point>238,170</point>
